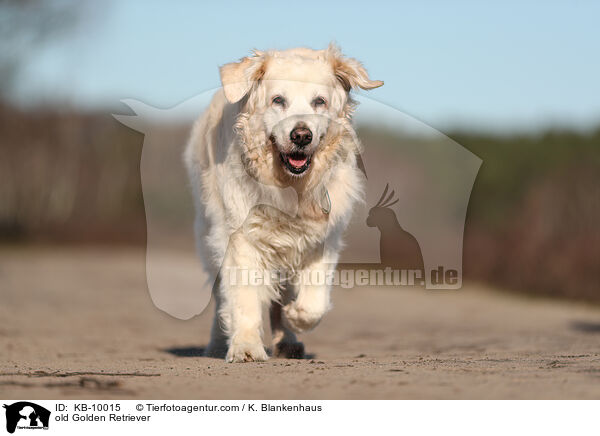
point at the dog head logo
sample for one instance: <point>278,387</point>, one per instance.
<point>26,415</point>
<point>431,174</point>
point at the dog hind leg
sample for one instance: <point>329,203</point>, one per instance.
<point>285,343</point>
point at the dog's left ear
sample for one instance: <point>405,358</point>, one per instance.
<point>349,71</point>
<point>238,77</point>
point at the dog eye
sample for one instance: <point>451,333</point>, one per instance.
<point>278,100</point>
<point>319,101</point>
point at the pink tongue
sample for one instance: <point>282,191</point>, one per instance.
<point>298,163</point>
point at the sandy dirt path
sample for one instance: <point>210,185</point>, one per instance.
<point>79,323</point>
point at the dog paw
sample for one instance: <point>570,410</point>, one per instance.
<point>289,350</point>
<point>299,319</point>
<point>246,352</point>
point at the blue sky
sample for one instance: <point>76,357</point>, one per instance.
<point>512,65</point>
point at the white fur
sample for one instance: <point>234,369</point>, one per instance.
<point>253,214</point>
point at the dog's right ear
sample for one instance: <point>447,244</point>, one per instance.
<point>238,77</point>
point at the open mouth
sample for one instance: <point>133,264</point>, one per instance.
<point>296,162</point>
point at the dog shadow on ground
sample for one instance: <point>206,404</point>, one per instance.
<point>585,326</point>
<point>186,351</point>
<point>193,351</point>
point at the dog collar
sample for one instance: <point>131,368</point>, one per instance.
<point>327,207</point>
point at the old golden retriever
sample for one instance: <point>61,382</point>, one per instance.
<point>273,166</point>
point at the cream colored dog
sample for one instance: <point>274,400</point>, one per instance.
<point>273,165</point>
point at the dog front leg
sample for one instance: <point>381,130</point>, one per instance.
<point>242,301</point>
<point>313,297</point>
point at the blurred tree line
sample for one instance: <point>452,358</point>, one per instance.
<point>67,176</point>
<point>532,224</point>
<point>534,214</point>
<point>533,221</point>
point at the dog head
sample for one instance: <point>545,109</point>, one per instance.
<point>295,105</point>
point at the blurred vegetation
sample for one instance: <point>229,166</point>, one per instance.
<point>533,220</point>
<point>69,177</point>
<point>512,165</point>
<point>534,216</point>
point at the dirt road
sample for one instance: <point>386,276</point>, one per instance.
<point>79,323</point>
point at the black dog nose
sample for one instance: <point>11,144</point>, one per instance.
<point>301,136</point>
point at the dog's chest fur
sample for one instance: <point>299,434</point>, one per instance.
<point>284,241</point>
